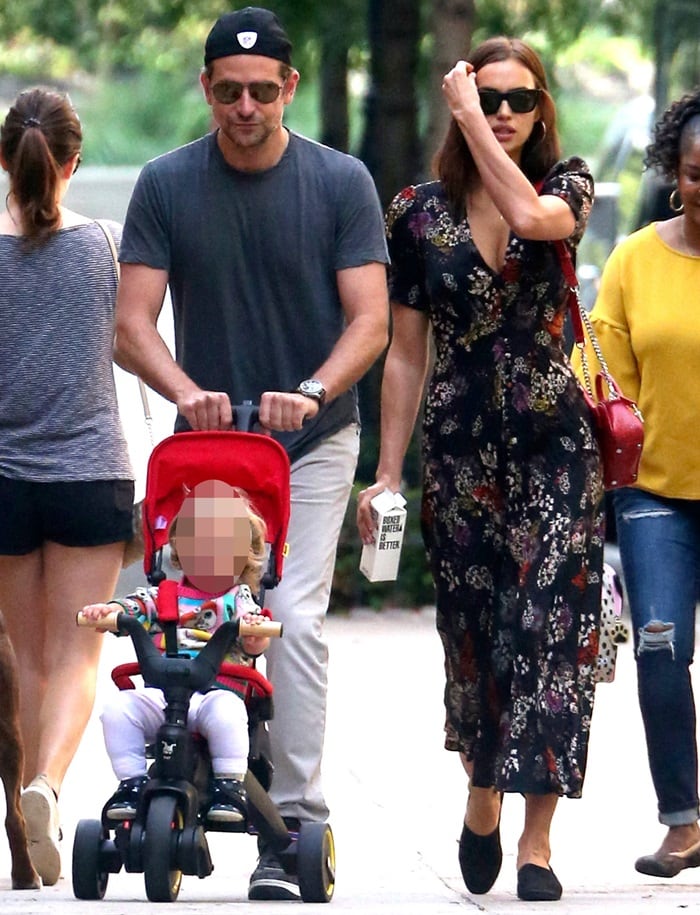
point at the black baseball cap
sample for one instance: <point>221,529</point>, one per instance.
<point>248,31</point>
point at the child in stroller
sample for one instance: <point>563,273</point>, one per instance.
<point>218,542</point>
<point>167,836</point>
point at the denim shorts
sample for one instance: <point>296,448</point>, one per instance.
<point>80,513</point>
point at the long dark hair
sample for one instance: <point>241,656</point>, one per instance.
<point>454,164</point>
<point>39,135</point>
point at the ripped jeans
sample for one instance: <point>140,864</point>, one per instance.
<point>659,542</point>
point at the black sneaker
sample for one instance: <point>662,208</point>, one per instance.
<point>229,802</point>
<point>269,880</point>
<point>125,800</point>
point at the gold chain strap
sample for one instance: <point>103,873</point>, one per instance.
<point>605,371</point>
<point>585,317</point>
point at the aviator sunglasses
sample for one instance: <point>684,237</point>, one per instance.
<point>520,101</point>
<point>227,91</point>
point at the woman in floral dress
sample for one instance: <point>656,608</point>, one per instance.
<point>512,490</point>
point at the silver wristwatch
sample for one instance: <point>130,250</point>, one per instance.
<point>312,387</point>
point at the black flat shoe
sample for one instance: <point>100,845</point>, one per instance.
<point>538,884</point>
<point>480,859</point>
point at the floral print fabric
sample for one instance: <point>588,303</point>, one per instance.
<point>512,510</point>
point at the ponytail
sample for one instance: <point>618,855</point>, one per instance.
<point>41,133</point>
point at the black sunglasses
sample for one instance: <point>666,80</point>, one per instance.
<point>227,91</point>
<point>520,101</point>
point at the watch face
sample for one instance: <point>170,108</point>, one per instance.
<point>312,388</point>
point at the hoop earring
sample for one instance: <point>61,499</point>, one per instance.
<point>543,132</point>
<point>675,204</point>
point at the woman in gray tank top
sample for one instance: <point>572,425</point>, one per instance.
<point>66,486</point>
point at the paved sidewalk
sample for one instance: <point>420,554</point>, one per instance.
<point>397,800</point>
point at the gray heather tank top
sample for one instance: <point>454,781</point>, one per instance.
<point>59,418</point>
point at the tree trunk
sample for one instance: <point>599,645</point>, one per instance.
<point>335,120</point>
<point>336,38</point>
<point>675,30</point>
<point>665,45</point>
<point>452,28</point>
<point>390,146</point>
<point>391,150</point>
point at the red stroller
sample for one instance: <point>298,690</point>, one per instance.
<point>167,838</point>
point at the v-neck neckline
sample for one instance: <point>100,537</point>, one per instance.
<point>495,271</point>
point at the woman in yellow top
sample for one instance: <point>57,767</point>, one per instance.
<point>647,318</point>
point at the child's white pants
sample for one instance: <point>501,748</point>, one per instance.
<point>131,718</point>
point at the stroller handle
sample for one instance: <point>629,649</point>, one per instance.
<point>110,623</point>
<point>245,416</point>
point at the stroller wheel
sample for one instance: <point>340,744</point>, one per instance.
<point>90,875</point>
<point>316,862</point>
<point>164,823</point>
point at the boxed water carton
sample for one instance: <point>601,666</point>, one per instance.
<point>380,560</point>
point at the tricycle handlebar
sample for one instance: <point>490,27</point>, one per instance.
<point>113,623</point>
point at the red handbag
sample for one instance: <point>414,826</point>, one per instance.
<point>618,420</point>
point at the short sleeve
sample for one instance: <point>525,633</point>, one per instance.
<point>145,238</point>
<point>360,233</point>
<point>407,269</point>
<point>571,180</point>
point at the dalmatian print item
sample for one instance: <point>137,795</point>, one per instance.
<point>613,630</point>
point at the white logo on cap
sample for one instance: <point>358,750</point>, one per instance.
<point>247,39</point>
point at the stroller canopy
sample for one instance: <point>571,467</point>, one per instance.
<point>252,462</point>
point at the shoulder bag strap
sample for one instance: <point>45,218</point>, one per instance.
<point>569,271</point>
<point>580,319</point>
<point>142,387</point>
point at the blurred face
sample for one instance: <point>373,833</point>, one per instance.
<point>689,179</point>
<point>249,121</point>
<point>213,537</point>
<point>511,129</point>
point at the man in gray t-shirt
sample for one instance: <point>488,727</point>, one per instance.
<point>273,248</point>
